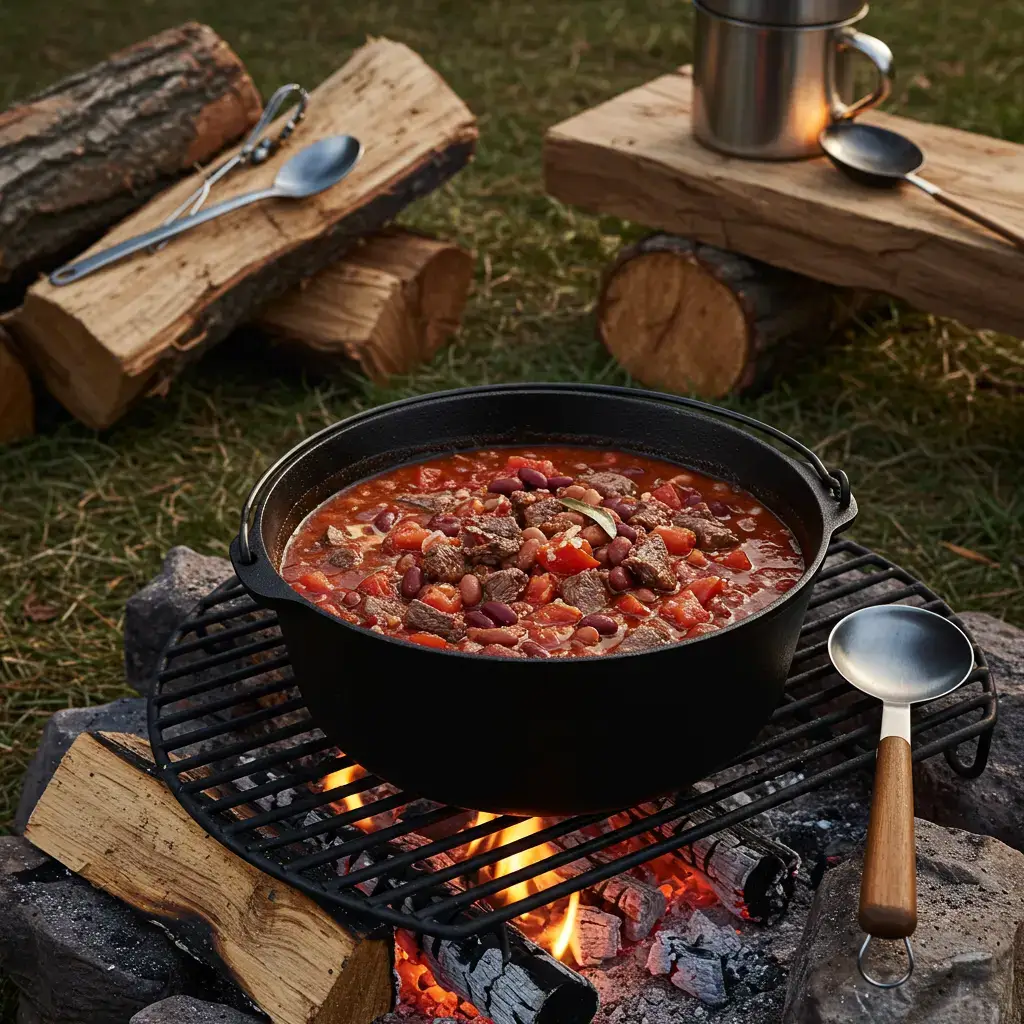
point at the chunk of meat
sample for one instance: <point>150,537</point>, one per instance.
<point>650,563</point>
<point>420,617</point>
<point>440,502</point>
<point>586,591</point>
<point>643,638</point>
<point>651,513</point>
<point>444,562</point>
<point>344,558</point>
<point>609,484</point>
<point>333,537</point>
<point>712,535</point>
<point>383,611</point>
<point>539,512</point>
<point>489,539</point>
<point>497,651</point>
<point>505,585</point>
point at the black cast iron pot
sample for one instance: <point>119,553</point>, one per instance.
<point>545,736</point>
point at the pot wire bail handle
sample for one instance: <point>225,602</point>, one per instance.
<point>896,982</point>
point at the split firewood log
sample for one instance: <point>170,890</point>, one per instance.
<point>388,305</point>
<point>82,154</point>
<point>17,407</point>
<point>104,341</point>
<point>686,317</point>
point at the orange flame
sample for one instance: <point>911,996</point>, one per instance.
<point>343,777</point>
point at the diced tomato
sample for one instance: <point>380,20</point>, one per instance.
<point>547,638</point>
<point>705,588</point>
<point>443,596</point>
<point>737,560</point>
<point>668,494</point>
<point>698,558</point>
<point>377,584</point>
<point>428,640</point>
<point>540,589</point>
<point>315,581</point>
<point>408,535</point>
<point>685,610</point>
<point>567,557</point>
<point>427,477</point>
<point>701,629</point>
<point>678,539</point>
<point>557,612</point>
<point>630,605</point>
<point>515,462</point>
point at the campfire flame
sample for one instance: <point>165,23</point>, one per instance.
<point>343,777</point>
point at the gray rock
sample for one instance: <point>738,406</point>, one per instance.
<point>969,943</point>
<point>993,803</point>
<point>128,714</point>
<point>156,611</point>
<point>187,1010</point>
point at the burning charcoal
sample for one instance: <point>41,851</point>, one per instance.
<point>381,609</point>
<point>333,537</point>
<point>609,484</point>
<point>344,557</point>
<point>595,936</point>
<point>649,561</point>
<point>505,585</point>
<point>421,616</point>
<point>543,511</point>
<point>651,513</point>
<point>644,637</point>
<point>713,928</point>
<point>701,973</point>
<point>444,562</point>
<point>188,1010</point>
<point>711,534</point>
<point>440,502</point>
<point>586,591</point>
<point>489,539</point>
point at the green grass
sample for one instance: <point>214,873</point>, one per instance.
<point>926,417</point>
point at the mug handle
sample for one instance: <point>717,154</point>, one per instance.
<point>848,38</point>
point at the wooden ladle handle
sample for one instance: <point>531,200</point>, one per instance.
<point>888,889</point>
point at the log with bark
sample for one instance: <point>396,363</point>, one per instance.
<point>388,305</point>
<point>82,154</point>
<point>107,818</point>
<point>17,406</point>
<point>686,317</point>
<point>104,341</point>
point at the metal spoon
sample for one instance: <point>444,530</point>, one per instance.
<point>901,655</point>
<point>311,170</point>
<point>882,159</point>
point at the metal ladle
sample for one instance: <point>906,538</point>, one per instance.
<point>882,159</point>
<point>313,169</point>
<point>902,655</point>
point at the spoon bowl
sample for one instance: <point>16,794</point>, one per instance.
<point>317,167</point>
<point>871,155</point>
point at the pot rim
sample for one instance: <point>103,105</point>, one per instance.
<point>250,536</point>
<point>711,7</point>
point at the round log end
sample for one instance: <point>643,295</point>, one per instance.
<point>17,405</point>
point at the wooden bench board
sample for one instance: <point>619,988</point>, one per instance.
<point>634,157</point>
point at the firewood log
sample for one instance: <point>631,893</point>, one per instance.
<point>388,305</point>
<point>105,817</point>
<point>17,407</point>
<point>686,317</point>
<point>82,154</point>
<point>107,339</point>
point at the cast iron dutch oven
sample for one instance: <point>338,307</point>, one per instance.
<point>545,736</point>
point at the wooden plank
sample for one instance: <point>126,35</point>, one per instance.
<point>634,157</point>
<point>104,817</point>
<point>17,404</point>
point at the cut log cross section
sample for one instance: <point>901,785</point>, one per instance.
<point>17,405</point>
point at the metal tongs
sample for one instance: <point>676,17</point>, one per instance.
<point>257,147</point>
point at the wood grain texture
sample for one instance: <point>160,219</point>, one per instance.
<point>17,405</point>
<point>388,305</point>
<point>104,341</point>
<point>82,154</point>
<point>634,157</point>
<point>888,891</point>
<point>104,817</point>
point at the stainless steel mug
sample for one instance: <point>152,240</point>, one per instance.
<point>769,75</point>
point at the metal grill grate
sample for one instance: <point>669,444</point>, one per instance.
<point>234,741</point>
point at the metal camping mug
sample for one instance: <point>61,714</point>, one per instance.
<point>770,75</point>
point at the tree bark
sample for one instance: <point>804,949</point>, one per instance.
<point>79,156</point>
<point>17,406</point>
<point>388,305</point>
<point>104,341</point>
<point>686,317</point>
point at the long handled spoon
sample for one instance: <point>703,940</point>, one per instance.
<point>311,170</point>
<point>901,655</point>
<point>881,158</point>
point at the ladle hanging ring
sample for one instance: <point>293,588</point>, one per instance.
<point>884,984</point>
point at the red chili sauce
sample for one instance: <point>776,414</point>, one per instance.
<point>474,552</point>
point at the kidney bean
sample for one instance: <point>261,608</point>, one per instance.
<point>407,561</point>
<point>352,598</point>
<point>587,635</point>
<point>533,533</point>
<point>532,650</point>
<point>720,510</point>
<point>505,485</point>
<point>448,525</point>
<point>575,491</point>
<point>555,482</point>
<point>646,595</point>
<point>619,579</point>
<point>471,590</point>
<point>591,496</point>
<point>626,531</point>
<point>528,554</point>
<point>601,554</point>
<point>532,478</point>
<point>633,471</point>
<point>505,637</point>
<point>576,518</point>
<point>594,535</point>
<point>604,624</point>
<point>411,582</point>
<point>500,613</point>
<point>694,499</point>
<point>385,520</point>
<point>619,550</point>
<point>479,619</point>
